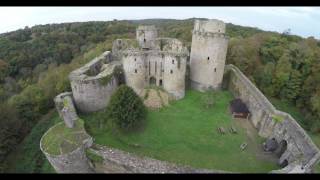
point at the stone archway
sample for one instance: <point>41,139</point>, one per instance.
<point>284,163</point>
<point>282,148</point>
<point>160,83</point>
<point>152,81</point>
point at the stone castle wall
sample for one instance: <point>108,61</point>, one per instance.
<point>65,107</point>
<point>146,35</point>
<point>162,69</point>
<point>212,26</point>
<point>125,162</point>
<point>208,55</point>
<point>93,84</point>
<point>163,65</point>
<point>300,148</point>
<point>73,162</point>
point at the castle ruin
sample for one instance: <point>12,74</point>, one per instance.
<point>150,60</point>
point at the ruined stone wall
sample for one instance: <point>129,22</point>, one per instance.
<point>65,107</point>
<point>118,161</point>
<point>208,55</point>
<point>174,70</point>
<point>134,70</point>
<point>73,162</point>
<point>163,69</point>
<point>212,25</point>
<point>93,84</point>
<point>300,148</point>
<point>146,35</point>
<point>164,65</point>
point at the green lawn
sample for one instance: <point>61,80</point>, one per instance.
<point>295,113</point>
<point>186,133</point>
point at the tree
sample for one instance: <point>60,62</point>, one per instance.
<point>3,69</point>
<point>126,108</point>
<point>292,87</point>
<point>282,74</point>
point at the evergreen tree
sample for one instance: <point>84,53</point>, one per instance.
<point>126,108</point>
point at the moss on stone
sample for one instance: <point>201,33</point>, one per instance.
<point>277,118</point>
<point>105,80</point>
<point>61,139</point>
<point>93,156</point>
<point>117,71</point>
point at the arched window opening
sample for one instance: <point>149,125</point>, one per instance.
<point>172,61</point>
<point>135,71</point>
<point>152,81</point>
<point>171,71</point>
<point>284,163</point>
<point>282,148</point>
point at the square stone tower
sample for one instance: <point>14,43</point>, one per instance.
<point>146,36</point>
<point>208,54</point>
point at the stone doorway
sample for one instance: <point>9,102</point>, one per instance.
<point>160,82</point>
<point>282,148</point>
<point>152,81</point>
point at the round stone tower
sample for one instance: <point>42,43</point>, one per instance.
<point>208,54</point>
<point>146,35</point>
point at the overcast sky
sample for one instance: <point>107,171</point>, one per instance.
<point>303,21</point>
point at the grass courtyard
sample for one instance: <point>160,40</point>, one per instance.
<point>186,133</point>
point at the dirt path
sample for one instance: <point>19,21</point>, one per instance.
<point>253,144</point>
<point>155,98</point>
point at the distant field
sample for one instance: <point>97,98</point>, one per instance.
<point>186,133</point>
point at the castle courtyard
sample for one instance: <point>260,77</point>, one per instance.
<point>186,133</point>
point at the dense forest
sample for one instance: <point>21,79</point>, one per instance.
<point>35,63</point>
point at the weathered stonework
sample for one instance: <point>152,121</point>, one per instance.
<point>75,161</point>
<point>124,162</point>
<point>93,84</point>
<point>208,54</point>
<point>162,64</point>
<point>66,109</point>
<point>149,60</point>
<point>146,35</point>
<point>298,148</point>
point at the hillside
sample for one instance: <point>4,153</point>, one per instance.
<point>35,62</point>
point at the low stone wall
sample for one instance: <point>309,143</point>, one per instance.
<point>124,162</point>
<point>75,161</point>
<point>299,147</point>
<point>93,84</point>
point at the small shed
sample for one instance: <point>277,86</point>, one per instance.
<point>239,109</point>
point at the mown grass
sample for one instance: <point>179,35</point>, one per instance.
<point>298,116</point>
<point>186,133</point>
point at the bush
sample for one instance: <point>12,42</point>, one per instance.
<point>126,109</point>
